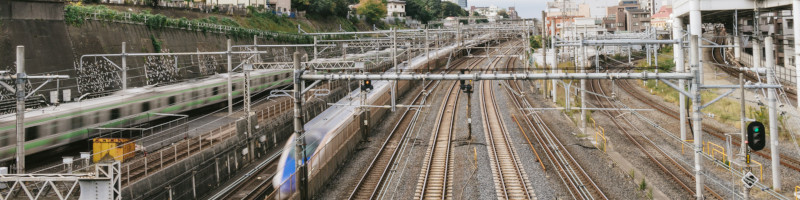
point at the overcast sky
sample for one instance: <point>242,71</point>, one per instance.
<point>533,8</point>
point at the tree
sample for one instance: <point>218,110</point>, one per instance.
<point>322,8</point>
<point>300,5</point>
<point>373,10</point>
<point>536,42</point>
<point>424,10</point>
<point>478,21</point>
<point>450,9</point>
<point>503,13</point>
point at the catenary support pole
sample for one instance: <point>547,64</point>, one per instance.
<point>427,53</point>
<point>396,69</point>
<point>315,48</point>
<point>677,33</point>
<point>744,149</point>
<point>544,49</point>
<point>554,91</point>
<point>773,115</point>
<point>697,119</point>
<point>20,109</point>
<point>796,23</point>
<point>583,61</point>
<point>696,33</point>
<point>737,49</point>
<point>230,81</point>
<point>300,139</point>
<point>756,53</point>
<point>124,68</point>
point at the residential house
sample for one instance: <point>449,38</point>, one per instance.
<point>396,8</point>
<point>638,20</point>
<point>661,19</point>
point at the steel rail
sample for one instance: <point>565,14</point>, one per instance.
<point>500,147</point>
<point>391,138</point>
<point>567,167</point>
<point>596,86</point>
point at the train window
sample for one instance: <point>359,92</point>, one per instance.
<point>114,114</point>
<point>195,94</point>
<point>234,87</point>
<point>54,127</point>
<point>171,100</point>
<point>145,106</point>
<point>31,133</point>
<point>77,122</point>
<point>215,91</point>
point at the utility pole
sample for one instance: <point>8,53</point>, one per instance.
<point>20,109</point>
<point>230,74</point>
<point>554,91</point>
<point>250,136</point>
<point>677,50</point>
<point>396,69</point>
<point>544,48</point>
<point>773,115</point>
<point>696,33</point>
<point>467,88</point>
<point>745,149</point>
<point>697,119</point>
<point>124,68</point>
<point>300,139</point>
<point>796,23</point>
<point>315,48</point>
<point>427,54</point>
<point>583,87</point>
<point>20,79</point>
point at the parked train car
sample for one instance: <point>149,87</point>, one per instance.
<point>55,126</point>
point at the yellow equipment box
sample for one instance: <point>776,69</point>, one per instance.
<point>119,149</point>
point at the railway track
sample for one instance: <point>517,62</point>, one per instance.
<point>155,161</point>
<point>659,158</point>
<point>254,185</point>
<point>721,63</point>
<point>579,184</point>
<point>370,184</point>
<point>511,181</point>
<point>434,182</point>
<point>786,160</point>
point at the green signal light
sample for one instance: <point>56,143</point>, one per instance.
<point>756,129</point>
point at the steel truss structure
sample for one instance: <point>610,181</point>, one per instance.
<point>103,182</point>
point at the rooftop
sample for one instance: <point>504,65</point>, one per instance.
<point>664,12</point>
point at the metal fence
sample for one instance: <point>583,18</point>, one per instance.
<point>786,75</point>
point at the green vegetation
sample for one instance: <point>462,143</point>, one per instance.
<point>264,21</point>
<point>503,13</point>
<point>373,10</point>
<point>536,42</point>
<point>278,28</point>
<point>632,174</point>
<point>642,185</point>
<point>156,44</point>
<point>727,110</point>
<point>430,10</point>
<point>450,9</point>
<point>323,8</point>
<point>762,114</point>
